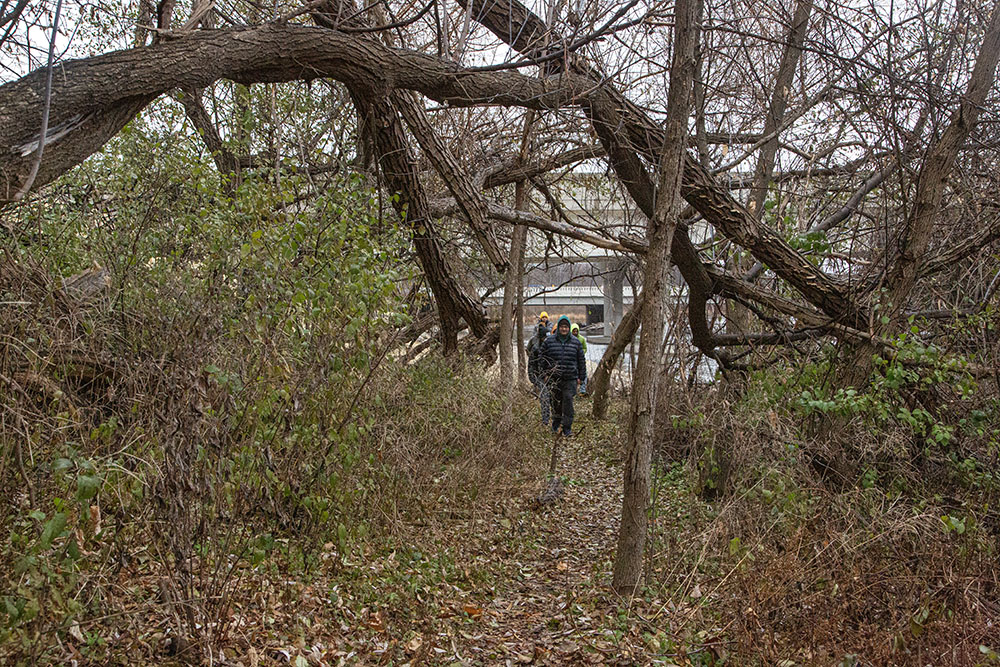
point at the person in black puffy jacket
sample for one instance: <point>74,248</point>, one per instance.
<point>564,366</point>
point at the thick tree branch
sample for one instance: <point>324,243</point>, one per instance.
<point>93,98</point>
<point>936,169</point>
<point>225,161</point>
<point>469,199</point>
<point>779,102</point>
<point>948,257</point>
<point>513,23</point>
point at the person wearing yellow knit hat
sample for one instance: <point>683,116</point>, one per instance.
<point>543,320</point>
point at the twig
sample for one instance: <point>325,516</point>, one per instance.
<point>26,187</point>
<point>390,26</point>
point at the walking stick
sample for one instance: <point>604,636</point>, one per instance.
<point>553,488</point>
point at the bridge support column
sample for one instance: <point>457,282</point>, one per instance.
<point>614,299</point>
<point>609,325</point>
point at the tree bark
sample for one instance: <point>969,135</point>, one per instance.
<point>93,98</point>
<point>466,196</point>
<point>645,382</point>
<point>513,289</point>
<point>621,122</point>
<point>779,102</point>
<point>738,317</point>
<point>599,385</point>
<point>385,131</point>
<point>931,183</point>
<point>624,129</point>
<point>522,356</point>
<point>632,174</point>
<point>225,161</point>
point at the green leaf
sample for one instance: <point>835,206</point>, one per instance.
<point>53,529</point>
<point>735,545</point>
<point>87,486</point>
<point>14,612</point>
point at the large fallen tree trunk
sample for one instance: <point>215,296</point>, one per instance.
<point>94,97</point>
<point>383,128</point>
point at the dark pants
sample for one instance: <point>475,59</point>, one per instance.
<point>563,392</point>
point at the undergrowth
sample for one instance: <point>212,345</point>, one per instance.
<point>198,399</point>
<point>166,481</point>
<point>798,524</point>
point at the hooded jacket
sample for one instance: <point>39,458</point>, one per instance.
<point>575,331</point>
<point>561,357</point>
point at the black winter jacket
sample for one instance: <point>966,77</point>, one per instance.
<point>562,360</point>
<point>533,349</point>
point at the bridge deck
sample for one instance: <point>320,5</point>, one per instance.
<point>542,295</point>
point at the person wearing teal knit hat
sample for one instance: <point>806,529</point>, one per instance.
<point>564,367</point>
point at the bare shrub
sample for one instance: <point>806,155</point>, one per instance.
<point>148,446</point>
<point>893,560</point>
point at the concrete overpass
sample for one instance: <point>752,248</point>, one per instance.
<point>560,297</point>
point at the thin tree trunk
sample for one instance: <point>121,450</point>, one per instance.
<point>381,124</point>
<point>522,357</point>
<point>384,128</point>
<point>600,383</point>
<point>468,197</point>
<point>225,160</point>
<point>779,103</point>
<point>512,282</point>
<point>936,169</point>
<point>931,182</point>
<point>739,318</point>
<point>698,90</point>
<point>511,288</point>
<point>656,275</point>
<point>623,127</point>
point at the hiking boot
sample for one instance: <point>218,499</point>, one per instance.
<point>567,434</point>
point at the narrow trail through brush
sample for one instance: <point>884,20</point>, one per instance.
<point>554,487</point>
